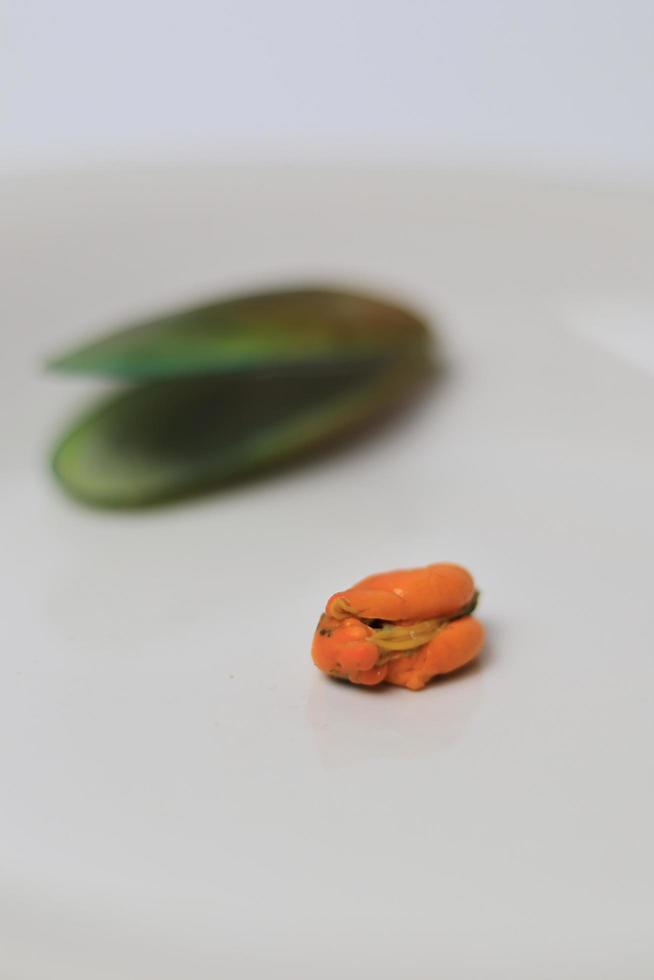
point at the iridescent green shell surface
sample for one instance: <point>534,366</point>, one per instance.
<point>216,393</point>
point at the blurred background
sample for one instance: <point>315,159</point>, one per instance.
<point>183,794</point>
<point>558,87</point>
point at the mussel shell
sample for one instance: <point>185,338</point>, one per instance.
<point>168,439</point>
<point>225,390</point>
<point>286,328</point>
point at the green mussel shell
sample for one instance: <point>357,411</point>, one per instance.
<point>290,328</point>
<point>229,389</point>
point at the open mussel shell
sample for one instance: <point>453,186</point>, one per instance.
<point>230,389</point>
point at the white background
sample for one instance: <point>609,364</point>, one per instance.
<point>564,87</point>
<point>184,796</point>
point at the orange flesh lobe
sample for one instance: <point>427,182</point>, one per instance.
<point>425,627</point>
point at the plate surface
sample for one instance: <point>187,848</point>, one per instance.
<point>183,794</point>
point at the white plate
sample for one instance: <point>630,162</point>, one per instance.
<point>183,794</point>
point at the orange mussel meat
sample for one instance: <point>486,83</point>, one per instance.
<point>401,627</point>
